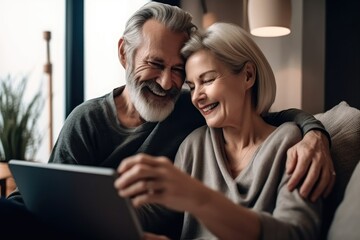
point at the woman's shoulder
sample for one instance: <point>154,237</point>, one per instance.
<point>200,137</point>
<point>287,131</point>
<point>198,134</point>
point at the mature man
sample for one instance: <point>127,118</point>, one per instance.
<point>153,114</point>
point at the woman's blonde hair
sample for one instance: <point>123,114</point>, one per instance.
<point>234,47</point>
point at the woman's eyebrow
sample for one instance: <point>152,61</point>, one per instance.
<point>205,73</point>
<point>202,75</point>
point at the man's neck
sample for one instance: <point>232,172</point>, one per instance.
<point>126,113</point>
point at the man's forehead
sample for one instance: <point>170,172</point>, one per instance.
<point>160,43</point>
<point>153,25</point>
<point>156,31</point>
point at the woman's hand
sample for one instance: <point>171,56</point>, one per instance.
<point>149,179</point>
<point>310,161</point>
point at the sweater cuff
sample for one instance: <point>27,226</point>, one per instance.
<point>309,127</point>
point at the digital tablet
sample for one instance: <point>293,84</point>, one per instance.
<point>76,199</point>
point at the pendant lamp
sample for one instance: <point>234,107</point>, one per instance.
<point>269,18</point>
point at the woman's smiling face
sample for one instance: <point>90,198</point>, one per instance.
<point>216,92</point>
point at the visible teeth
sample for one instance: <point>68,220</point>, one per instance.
<point>158,92</point>
<point>211,106</point>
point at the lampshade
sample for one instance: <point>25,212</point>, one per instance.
<point>269,18</point>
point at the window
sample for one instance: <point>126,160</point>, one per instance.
<point>23,52</point>
<point>104,24</point>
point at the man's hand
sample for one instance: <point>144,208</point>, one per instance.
<point>310,161</point>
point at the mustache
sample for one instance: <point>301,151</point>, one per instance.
<point>156,88</point>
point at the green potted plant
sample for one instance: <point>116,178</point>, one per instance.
<point>19,137</point>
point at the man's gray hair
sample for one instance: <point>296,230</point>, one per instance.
<point>172,17</point>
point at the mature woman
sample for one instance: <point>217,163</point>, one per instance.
<point>229,181</point>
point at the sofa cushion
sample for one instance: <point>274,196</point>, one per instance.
<point>343,124</point>
<point>346,223</point>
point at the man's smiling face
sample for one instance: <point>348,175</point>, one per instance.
<point>158,74</point>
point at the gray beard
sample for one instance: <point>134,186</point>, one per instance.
<point>150,108</point>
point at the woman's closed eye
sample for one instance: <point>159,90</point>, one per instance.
<point>203,82</point>
<point>208,81</point>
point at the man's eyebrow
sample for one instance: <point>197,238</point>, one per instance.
<point>179,65</point>
<point>160,60</point>
<point>155,59</point>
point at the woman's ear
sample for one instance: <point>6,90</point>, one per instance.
<point>121,52</point>
<point>250,74</point>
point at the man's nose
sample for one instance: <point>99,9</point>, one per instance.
<point>165,79</point>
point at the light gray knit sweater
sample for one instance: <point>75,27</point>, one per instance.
<point>260,186</point>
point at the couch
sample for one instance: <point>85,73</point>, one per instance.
<point>341,214</point>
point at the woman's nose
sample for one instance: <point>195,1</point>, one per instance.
<point>197,95</point>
